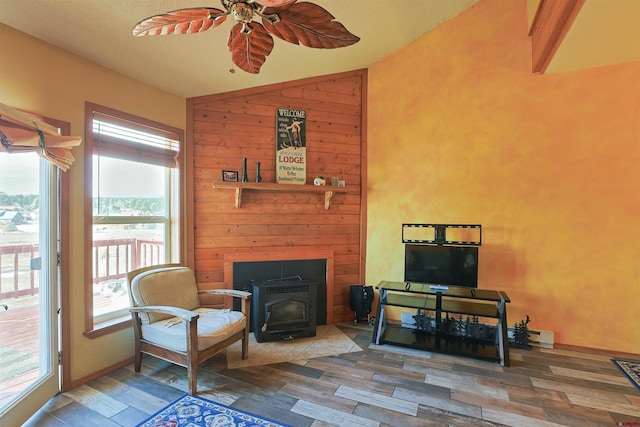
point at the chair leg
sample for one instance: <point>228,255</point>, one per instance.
<point>138,361</point>
<point>137,335</point>
<point>245,343</point>
<point>138,356</point>
<point>192,355</point>
<point>192,378</point>
<point>245,348</point>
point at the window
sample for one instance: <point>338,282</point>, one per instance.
<point>133,181</point>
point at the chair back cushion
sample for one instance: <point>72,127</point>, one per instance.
<point>170,286</point>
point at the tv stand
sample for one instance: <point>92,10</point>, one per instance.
<point>460,331</point>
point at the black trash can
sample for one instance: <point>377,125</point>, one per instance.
<point>360,301</point>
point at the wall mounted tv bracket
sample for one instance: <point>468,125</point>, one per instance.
<point>436,234</point>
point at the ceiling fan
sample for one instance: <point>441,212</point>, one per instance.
<point>250,41</point>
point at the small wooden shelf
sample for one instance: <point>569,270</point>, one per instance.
<point>329,192</point>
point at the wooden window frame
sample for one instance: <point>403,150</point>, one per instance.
<point>93,329</point>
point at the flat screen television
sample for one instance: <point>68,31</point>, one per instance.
<point>442,265</point>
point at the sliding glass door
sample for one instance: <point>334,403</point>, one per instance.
<point>29,373</point>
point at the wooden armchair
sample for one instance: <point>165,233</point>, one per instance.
<point>169,322</point>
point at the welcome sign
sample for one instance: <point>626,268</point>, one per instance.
<point>291,146</point>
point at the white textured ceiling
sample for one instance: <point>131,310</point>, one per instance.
<point>605,32</point>
<point>198,64</point>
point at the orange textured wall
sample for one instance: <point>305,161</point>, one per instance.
<point>461,131</point>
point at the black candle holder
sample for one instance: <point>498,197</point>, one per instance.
<point>245,177</point>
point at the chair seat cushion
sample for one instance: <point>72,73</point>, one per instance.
<point>214,325</point>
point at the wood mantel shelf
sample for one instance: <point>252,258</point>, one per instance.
<point>329,192</point>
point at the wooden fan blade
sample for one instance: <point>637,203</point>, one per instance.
<point>275,3</point>
<point>182,21</point>
<point>310,25</point>
<point>249,50</point>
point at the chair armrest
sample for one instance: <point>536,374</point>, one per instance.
<point>228,292</point>
<point>172,311</point>
<point>245,299</point>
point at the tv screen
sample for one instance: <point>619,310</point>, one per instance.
<point>442,265</point>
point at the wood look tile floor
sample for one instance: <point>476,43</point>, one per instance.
<point>375,387</point>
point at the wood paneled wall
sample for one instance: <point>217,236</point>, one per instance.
<point>224,128</point>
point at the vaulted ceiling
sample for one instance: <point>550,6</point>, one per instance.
<point>199,64</point>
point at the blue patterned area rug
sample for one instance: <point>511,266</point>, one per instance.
<point>631,368</point>
<point>194,411</point>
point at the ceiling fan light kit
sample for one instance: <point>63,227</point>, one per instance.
<point>250,42</point>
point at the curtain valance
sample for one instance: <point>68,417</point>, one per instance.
<point>21,133</point>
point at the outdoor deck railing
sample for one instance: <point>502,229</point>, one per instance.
<point>112,259</point>
<point>18,259</point>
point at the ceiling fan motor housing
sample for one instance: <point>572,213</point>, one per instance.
<point>242,12</point>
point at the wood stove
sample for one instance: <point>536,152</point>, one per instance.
<point>288,285</point>
<point>284,308</point>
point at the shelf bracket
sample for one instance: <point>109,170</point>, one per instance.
<point>238,197</point>
<point>328,195</point>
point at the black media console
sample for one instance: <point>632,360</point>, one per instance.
<point>449,319</point>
